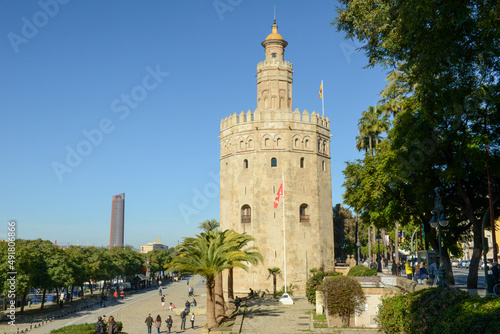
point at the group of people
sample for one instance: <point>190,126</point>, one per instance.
<point>420,272</point>
<point>157,323</point>
<point>103,327</point>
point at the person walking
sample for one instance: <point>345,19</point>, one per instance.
<point>158,324</point>
<point>192,321</point>
<point>162,302</point>
<point>187,304</point>
<point>394,268</point>
<point>122,294</point>
<point>169,322</point>
<point>112,326</point>
<point>183,320</point>
<point>409,270</point>
<point>149,322</point>
<point>160,290</point>
<point>99,326</point>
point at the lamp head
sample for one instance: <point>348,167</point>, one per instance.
<point>443,221</point>
<point>433,222</point>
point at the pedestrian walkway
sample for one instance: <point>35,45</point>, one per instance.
<point>133,310</point>
<point>269,316</point>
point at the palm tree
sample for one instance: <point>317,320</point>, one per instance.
<point>209,225</point>
<point>220,304</point>
<point>208,254</point>
<point>274,272</point>
<point>250,255</point>
<point>372,123</point>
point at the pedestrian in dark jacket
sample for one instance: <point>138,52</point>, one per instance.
<point>149,322</point>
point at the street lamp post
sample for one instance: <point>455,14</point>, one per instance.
<point>379,264</point>
<point>438,220</point>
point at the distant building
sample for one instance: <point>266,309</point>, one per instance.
<point>117,220</point>
<point>153,245</point>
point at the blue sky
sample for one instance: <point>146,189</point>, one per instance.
<point>100,98</point>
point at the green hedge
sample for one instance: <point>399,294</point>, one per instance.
<point>474,315</point>
<point>361,270</point>
<point>80,329</point>
<point>439,310</point>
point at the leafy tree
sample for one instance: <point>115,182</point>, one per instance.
<point>343,296</point>
<point>446,133</point>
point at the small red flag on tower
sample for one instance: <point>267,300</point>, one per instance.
<point>277,199</point>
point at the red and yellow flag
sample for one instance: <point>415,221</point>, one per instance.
<point>277,199</point>
<point>321,90</point>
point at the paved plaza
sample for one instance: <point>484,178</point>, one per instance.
<point>265,316</point>
<point>131,311</point>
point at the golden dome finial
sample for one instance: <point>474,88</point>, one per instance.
<point>274,34</point>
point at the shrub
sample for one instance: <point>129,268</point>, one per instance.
<point>80,329</point>
<point>428,305</point>
<point>289,290</point>
<point>393,312</point>
<point>314,281</point>
<point>417,312</point>
<point>474,315</point>
<point>343,296</point>
<point>362,271</point>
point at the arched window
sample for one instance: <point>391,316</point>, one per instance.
<point>304,213</point>
<point>274,162</point>
<point>278,142</point>
<point>245,163</point>
<point>306,143</point>
<point>301,162</point>
<point>246,214</point>
<point>266,142</point>
<point>296,142</point>
<point>324,166</point>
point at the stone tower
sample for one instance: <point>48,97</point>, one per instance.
<point>257,148</point>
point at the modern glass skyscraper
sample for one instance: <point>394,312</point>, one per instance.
<point>117,220</point>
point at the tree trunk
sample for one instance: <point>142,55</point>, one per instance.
<point>230,291</point>
<point>476,255</point>
<point>23,300</point>
<point>211,320</point>
<point>220,305</point>
<point>231,307</point>
<point>370,243</point>
<point>43,299</point>
<point>274,285</point>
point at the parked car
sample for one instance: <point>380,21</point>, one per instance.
<point>454,263</point>
<point>466,264</point>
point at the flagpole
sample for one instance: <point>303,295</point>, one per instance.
<point>323,98</point>
<point>284,234</point>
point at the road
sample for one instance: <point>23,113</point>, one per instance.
<point>461,274</point>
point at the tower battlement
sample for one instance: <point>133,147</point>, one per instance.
<point>260,116</point>
<point>286,64</point>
